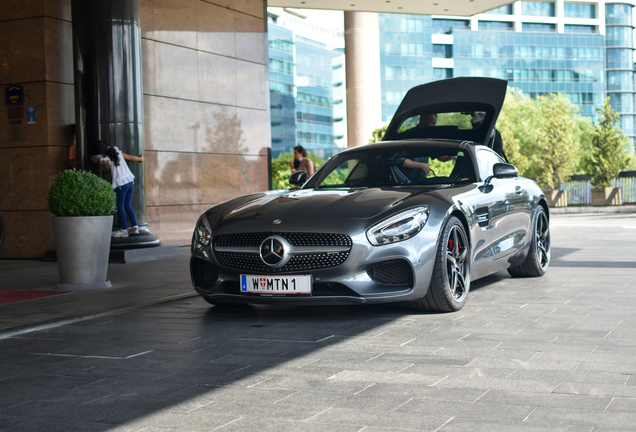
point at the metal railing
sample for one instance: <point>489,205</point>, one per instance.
<point>579,188</point>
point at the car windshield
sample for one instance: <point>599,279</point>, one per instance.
<point>383,166</point>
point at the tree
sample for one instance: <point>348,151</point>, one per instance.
<point>542,136</point>
<point>281,170</point>
<point>556,154</point>
<point>378,134</point>
<point>608,155</point>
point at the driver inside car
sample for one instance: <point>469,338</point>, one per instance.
<point>418,168</point>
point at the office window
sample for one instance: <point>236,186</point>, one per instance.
<point>618,14</point>
<point>446,26</point>
<point>443,51</point>
<point>579,10</point>
<point>537,8</point>
<point>495,25</point>
<point>503,10</point>
<point>439,73</point>
<point>538,27</point>
<point>571,28</point>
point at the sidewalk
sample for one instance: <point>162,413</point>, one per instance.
<point>134,285</point>
<point>593,209</point>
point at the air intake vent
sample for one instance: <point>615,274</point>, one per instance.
<point>397,272</point>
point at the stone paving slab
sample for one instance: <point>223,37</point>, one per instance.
<point>553,353</point>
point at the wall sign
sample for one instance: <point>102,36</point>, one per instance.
<point>14,95</point>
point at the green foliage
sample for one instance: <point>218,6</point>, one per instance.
<point>460,120</point>
<point>608,154</point>
<point>378,134</point>
<point>542,137</point>
<point>281,169</point>
<point>441,169</point>
<point>336,177</point>
<point>81,193</point>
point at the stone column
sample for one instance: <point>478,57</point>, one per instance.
<point>362,54</point>
<point>108,90</point>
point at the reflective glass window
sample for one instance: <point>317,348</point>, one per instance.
<point>618,14</point>
<point>537,8</point>
<point>619,58</point>
<point>503,10</point>
<point>441,73</point>
<point>538,27</point>
<point>443,51</point>
<point>579,10</point>
<point>448,25</point>
<point>618,36</point>
<point>627,125</point>
<point>495,25</point>
<point>620,80</point>
<point>570,28</point>
<point>622,102</point>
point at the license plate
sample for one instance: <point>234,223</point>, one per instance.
<point>276,284</point>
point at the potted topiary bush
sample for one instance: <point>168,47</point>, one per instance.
<point>83,205</point>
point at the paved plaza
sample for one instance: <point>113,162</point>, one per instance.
<point>556,353</point>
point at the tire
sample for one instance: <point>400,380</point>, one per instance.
<point>538,259</point>
<point>451,273</point>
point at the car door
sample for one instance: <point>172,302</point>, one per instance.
<point>507,214</point>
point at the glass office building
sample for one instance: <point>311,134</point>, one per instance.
<point>584,50</point>
<point>304,89</point>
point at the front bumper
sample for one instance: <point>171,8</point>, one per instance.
<point>370,274</point>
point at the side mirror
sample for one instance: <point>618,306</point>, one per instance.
<point>298,178</point>
<point>502,170</point>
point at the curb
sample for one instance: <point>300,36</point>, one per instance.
<point>62,322</point>
<point>593,209</point>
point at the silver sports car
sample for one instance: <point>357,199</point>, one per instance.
<point>413,218</point>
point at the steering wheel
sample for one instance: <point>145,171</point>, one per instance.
<point>431,171</point>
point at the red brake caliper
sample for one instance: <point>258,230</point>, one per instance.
<point>450,245</point>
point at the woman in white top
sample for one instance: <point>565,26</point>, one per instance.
<point>110,160</point>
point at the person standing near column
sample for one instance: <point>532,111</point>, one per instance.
<point>111,160</point>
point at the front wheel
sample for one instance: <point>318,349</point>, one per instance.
<point>538,259</point>
<point>451,273</point>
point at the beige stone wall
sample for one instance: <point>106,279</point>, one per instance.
<point>206,108</point>
<point>36,52</point>
<point>206,124</point>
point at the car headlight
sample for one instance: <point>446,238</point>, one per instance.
<point>202,233</point>
<point>401,226</point>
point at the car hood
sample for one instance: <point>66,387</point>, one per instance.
<point>453,94</point>
<point>314,203</point>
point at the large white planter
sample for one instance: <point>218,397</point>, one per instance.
<point>82,246</point>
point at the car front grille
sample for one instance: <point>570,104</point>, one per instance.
<point>251,261</point>
<point>396,272</point>
<point>295,239</point>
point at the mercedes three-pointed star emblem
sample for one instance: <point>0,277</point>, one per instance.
<point>272,251</point>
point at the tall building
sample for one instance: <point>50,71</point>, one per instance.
<point>584,50</point>
<point>306,86</point>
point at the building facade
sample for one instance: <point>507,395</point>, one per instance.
<point>205,105</point>
<point>584,50</point>
<point>306,87</point>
